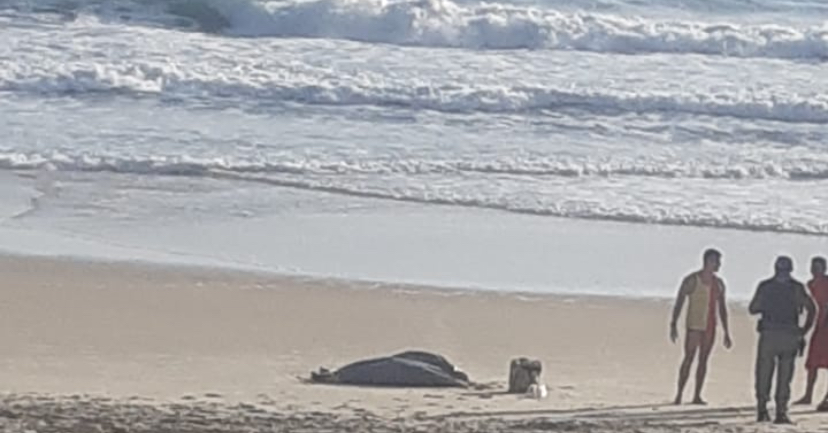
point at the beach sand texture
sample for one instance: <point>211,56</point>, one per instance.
<point>127,347</point>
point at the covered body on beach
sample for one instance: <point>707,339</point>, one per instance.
<point>407,369</point>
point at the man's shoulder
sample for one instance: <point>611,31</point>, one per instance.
<point>766,282</point>
<point>688,281</point>
<point>773,282</point>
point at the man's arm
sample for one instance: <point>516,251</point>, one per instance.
<point>724,315</point>
<point>683,291</point>
<point>810,308</point>
<point>756,304</point>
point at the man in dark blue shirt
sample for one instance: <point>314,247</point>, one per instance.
<point>780,300</point>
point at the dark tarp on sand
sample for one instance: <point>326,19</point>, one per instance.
<point>407,369</point>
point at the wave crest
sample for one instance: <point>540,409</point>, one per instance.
<point>193,166</point>
<point>169,81</point>
<point>369,181</point>
<point>443,23</point>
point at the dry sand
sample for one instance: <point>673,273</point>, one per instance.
<point>132,347</point>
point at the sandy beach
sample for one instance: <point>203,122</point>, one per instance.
<point>134,347</point>
<point>204,201</point>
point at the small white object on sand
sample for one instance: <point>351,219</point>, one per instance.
<point>537,391</point>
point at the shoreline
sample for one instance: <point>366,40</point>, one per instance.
<point>341,283</point>
<point>324,236</point>
<point>350,284</point>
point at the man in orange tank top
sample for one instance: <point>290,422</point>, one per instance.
<point>704,293</point>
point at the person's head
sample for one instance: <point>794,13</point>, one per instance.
<point>818,266</point>
<point>712,260</point>
<point>783,266</point>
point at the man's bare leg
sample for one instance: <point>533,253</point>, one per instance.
<point>809,389</point>
<point>701,371</point>
<point>691,344</point>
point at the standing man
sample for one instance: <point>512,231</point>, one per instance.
<point>705,295</point>
<point>780,300</point>
<point>818,349</point>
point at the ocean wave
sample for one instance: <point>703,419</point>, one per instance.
<point>174,83</point>
<point>443,23</point>
<point>534,206</point>
<point>530,167</point>
<point>401,182</point>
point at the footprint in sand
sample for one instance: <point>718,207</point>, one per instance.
<point>213,395</point>
<point>363,412</point>
<point>265,400</point>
